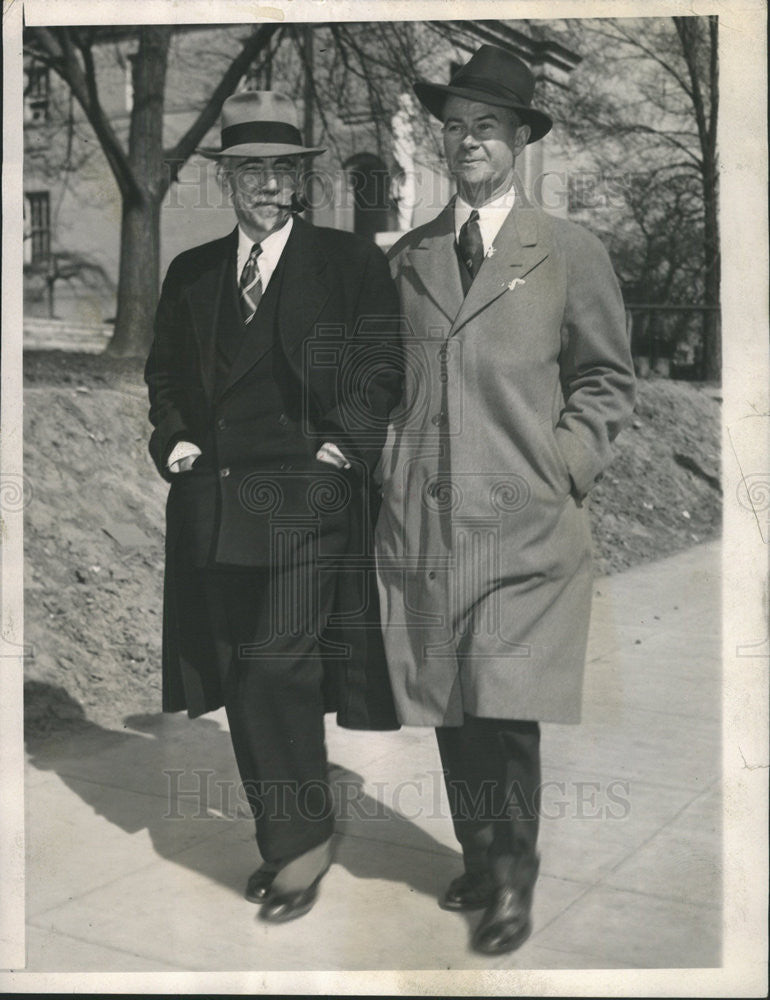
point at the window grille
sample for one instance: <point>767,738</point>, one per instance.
<point>39,225</point>
<point>38,93</point>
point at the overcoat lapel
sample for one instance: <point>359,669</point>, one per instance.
<point>204,298</point>
<point>305,287</point>
<point>429,260</point>
<point>517,251</point>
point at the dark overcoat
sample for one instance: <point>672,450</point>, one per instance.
<point>513,396</point>
<point>338,336</point>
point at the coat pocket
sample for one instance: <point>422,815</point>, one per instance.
<point>558,470</point>
<point>562,463</point>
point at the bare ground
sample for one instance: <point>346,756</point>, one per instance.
<point>94,526</point>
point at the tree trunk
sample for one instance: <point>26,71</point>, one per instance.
<point>139,271</point>
<point>138,277</point>
<point>50,281</point>
<point>704,94</point>
<point>712,341</point>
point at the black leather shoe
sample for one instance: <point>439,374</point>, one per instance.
<point>506,925</point>
<point>469,891</point>
<point>280,907</point>
<point>259,885</point>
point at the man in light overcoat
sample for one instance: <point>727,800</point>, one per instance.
<point>519,377</point>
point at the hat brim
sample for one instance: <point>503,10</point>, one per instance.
<point>260,149</point>
<point>433,97</point>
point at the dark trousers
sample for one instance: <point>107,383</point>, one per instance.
<point>268,623</point>
<point>492,775</point>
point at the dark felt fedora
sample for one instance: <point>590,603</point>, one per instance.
<point>260,123</point>
<point>492,76</point>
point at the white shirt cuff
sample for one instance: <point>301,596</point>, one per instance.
<point>329,452</point>
<point>182,456</point>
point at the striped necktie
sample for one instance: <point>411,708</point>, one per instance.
<point>250,285</point>
<point>471,244</point>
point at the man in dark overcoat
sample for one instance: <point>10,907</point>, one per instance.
<point>519,376</point>
<point>275,363</point>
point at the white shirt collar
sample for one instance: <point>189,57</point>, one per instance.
<point>491,216</point>
<point>272,248</point>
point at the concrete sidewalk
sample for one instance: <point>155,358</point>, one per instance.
<point>137,855</point>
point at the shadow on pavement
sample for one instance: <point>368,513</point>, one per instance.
<point>176,778</point>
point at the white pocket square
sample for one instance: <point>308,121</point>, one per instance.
<point>512,284</point>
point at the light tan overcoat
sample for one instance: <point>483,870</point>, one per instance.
<point>513,397</point>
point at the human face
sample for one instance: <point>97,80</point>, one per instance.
<point>481,143</point>
<point>262,190</point>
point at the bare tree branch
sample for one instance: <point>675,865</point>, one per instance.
<point>634,40</point>
<point>687,33</point>
<point>714,81</point>
<point>57,50</point>
<point>180,153</point>
<point>317,103</point>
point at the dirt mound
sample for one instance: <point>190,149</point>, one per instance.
<point>94,526</point>
<point>93,543</point>
<point>661,493</point>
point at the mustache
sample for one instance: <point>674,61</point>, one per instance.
<point>262,203</point>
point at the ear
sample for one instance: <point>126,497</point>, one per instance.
<point>302,197</point>
<point>522,137</point>
<point>223,177</point>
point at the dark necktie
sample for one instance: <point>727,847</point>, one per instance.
<point>470,244</point>
<point>250,285</point>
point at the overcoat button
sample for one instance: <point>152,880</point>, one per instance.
<point>438,419</point>
<point>224,473</point>
<point>283,420</point>
<point>431,575</point>
<point>221,423</point>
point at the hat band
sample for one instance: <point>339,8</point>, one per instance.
<point>488,87</point>
<point>266,132</point>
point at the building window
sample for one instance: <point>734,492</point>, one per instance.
<point>38,93</point>
<point>39,226</point>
